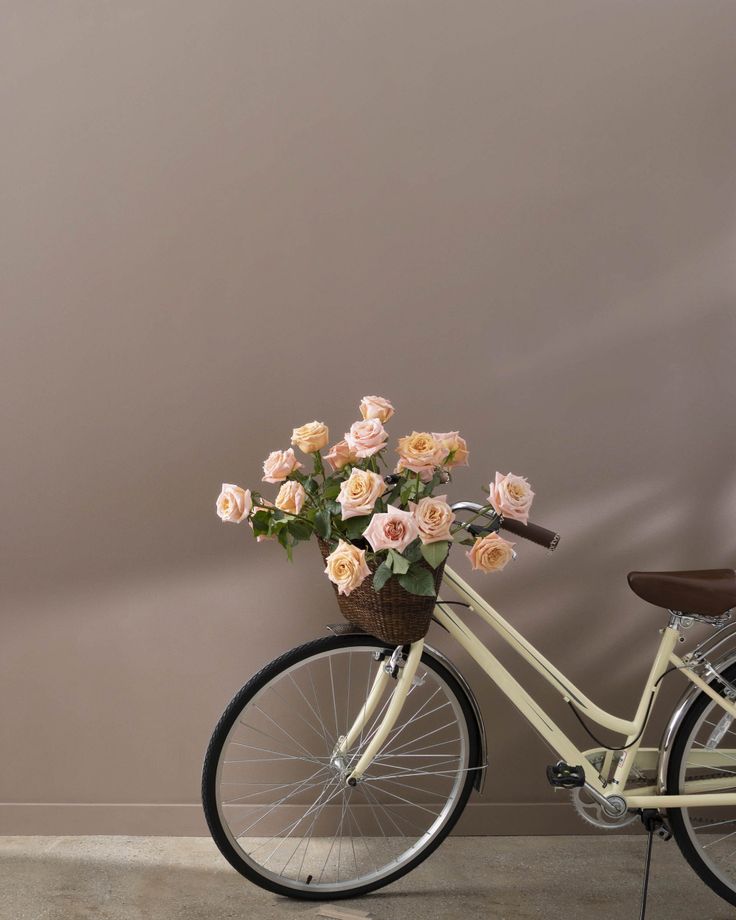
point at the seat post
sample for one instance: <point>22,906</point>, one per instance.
<point>679,620</point>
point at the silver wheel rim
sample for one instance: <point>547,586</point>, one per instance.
<point>712,830</point>
<point>280,826</point>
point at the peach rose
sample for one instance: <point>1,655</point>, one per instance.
<point>340,455</point>
<point>420,452</point>
<point>433,517</point>
<point>291,497</point>
<point>490,553</point>
<point>346,567</point>
<point>511,496</point>
<point>366,438</point>
<point>455,448</point>
<point>393,530</point>
<point>310,437</point>
<point>376,407</point>
<point>233,503</point>
<point>279,464</point>
<point>359,493</point>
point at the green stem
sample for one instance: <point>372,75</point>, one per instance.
<point>318,465</point>
<point>296,517</point>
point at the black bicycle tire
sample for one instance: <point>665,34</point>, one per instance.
<point>234,708</point>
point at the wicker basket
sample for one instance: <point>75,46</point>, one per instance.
<point>391,614</point>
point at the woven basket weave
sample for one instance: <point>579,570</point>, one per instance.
<point>391,614</point>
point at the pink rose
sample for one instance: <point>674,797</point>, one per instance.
<point>420,452</point>
<point>233,503</point>
<point>340,455</point>
<point>279,464</point>
<point>346,567</point>
<point>291,497</point>
<point>511,496</point>
<point>359,493</point>
<point>376,407</point>
<point>393,530</point>
<point>490,553</point>
<point>433,517</point>
<point>455,448</point>
<point>366,438</point>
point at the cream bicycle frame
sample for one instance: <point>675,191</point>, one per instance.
<point>698,793</point>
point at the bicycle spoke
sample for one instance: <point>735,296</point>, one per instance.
<point>281,728</point>
<point>261,791</point>
<point>334,701</point>
<point>408,801</point>
<point>304,719</point>
<point>276,805</point>
<point>319,708</point>
<point>426,735</point>
<point>328,744</point>
<point>389,815</point>
<point>281,754</point>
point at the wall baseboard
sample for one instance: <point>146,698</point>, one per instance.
<point>187,820</point>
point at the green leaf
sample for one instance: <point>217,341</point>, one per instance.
<point>286,541</point>
<point>408,492</point>
<point>418,580</point>
<point>299,530</point>
<point>393,496</point>
<point>310,484</point>
<point>433,483</point>
<point>381,576</point>
<point>413,551</point>
<point>331,489</point>
<point>322,524</point>
<point>333,507</point>
<point>355,526</point>
<point>398,563</point>
<point>434,553</point>
<point>261,521</point>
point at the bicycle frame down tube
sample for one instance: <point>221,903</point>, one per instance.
<point>508,684</point>
<point>536,659</point>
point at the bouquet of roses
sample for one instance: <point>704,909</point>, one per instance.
<point>366,514</point>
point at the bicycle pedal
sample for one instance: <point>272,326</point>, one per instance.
<point>564,776</point>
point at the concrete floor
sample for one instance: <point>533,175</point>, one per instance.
<point>503,878</point>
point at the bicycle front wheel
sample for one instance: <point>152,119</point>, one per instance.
<point>275,797</point>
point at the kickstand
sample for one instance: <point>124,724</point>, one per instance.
<point>654,824</point>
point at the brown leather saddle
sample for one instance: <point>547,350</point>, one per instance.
<point>706,593</point>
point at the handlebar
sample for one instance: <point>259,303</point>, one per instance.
<point>533,532</point>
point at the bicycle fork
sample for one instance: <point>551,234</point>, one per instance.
<point>404,679</point>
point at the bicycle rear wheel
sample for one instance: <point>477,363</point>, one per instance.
<point>276,800</point>
<point>705,748</point>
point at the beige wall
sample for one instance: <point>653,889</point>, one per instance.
<point>222,219</point>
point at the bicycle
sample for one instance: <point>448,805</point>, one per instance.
<point>344,763</point>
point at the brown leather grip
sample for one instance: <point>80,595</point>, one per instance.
<point>534,532</point>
